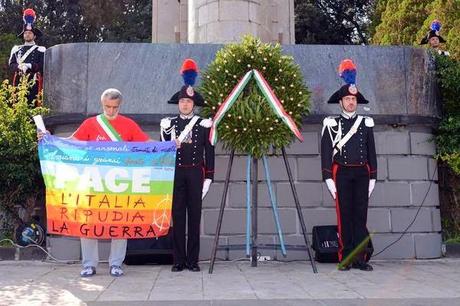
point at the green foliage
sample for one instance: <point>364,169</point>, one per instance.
<point>7,41</point>
<point>251,126</point>
<point>69,21</point>
<point>332,22</point>
<point>400,22</point>
<point>448,73</point>
<point>448,13</point>
<point>407,22</point>
<point>20,178</point>
<point>448,134</point>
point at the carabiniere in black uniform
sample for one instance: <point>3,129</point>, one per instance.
<point>30,54</point>
<point>194,163</point>
<point>351,168</point>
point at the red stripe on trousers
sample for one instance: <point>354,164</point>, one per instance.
<point>335,167</point>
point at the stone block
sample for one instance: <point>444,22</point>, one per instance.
<point>407,168</point>
<point>436,219</point>
<point>419,191</point>
<point>64,248</point>
<point>277,168</point>
<point>310,145</point>
<point>206,245</point>
<point>382,168</point>
<point>266,221</point>
<point>318,216</point>
<point>234,221</point>
<point>208,13</point>
<point>294,240</point>
<point>238,171</point>
<point>422,144</point>
<point>220,150</point>
<point>237,195</point>
<point>432,169</point>
<point>428,245</point>
<point>403,249</point>
<point>309,194</point>
<point>214,196</point>
<point>236,10</point>
<point>309,169</point>
<point>390,194</point>
<point>378,220</point>
<point>328,201</point>
<point>402,217</point>
<point>392,142</point>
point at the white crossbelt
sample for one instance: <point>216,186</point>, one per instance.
<point>346,138</point>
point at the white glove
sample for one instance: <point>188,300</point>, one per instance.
<point>23,67</point>
<point>371,186</point>
<point>206,184</point>
<point>331,186</point>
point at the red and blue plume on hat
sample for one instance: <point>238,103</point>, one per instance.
<point>189,71</point>
<point>347,71</point>
<point>29,17</point>
<point>436,25</point>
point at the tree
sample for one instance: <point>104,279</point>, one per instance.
<point>448,13</point>
<point>400,22</point>
<point>333,22</point>
<point>69,21</point>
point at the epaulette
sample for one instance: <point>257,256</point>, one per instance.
<point>368,121</point>
<point>330,121</point>
<point>41,48</point>
<point>207,123</point>
<point>15,48</point>
<point>165,122</point>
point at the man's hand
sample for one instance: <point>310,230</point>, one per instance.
<point>206,184</point>
<point>371,186</point>
<point>331,186</point>
<point>177,143</point>
<point>24,67</point>
<point>41,134</point>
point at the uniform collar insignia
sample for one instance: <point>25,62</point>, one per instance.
<point>189,116</point>
<point>348,115</point>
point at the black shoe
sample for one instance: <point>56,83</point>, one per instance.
<point>361,265</point>
<point>194,267</point>
<point>177,267</point>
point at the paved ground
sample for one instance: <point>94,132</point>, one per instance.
<point>431,282</point>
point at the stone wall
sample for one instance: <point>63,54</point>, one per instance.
<point>397,80</point>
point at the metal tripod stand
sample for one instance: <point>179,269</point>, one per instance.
<point>254,245</point>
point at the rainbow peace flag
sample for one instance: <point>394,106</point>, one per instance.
<point>105,189</point>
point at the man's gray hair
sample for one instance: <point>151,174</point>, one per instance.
<point>112,94</point>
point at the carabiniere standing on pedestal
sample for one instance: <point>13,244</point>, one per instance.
<point>349,166</point>
<point>27,59</point>
<point>194,169</point>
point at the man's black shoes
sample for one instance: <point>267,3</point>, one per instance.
<point>177,267</point>
<point>362,265</point>
<point>194,267</point>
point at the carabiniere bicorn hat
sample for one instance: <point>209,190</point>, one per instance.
<point>347,71</point>
<point>435,28</point>
<point>189,72</point>
<point>29,18</point>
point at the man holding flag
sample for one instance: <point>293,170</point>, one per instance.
<point>108,126</point>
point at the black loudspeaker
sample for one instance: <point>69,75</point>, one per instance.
<point>326,244</point>
<point>150,250</point>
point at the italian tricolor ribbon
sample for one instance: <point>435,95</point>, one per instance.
<point>108,128</point>
<point>267,91</point>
